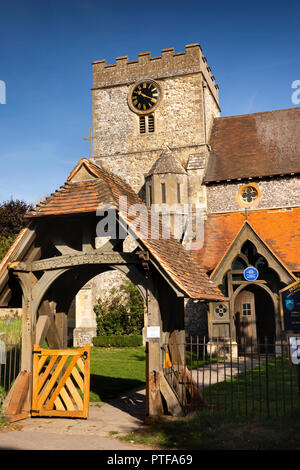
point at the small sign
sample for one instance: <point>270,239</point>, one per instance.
<point>251,273</point>
<point>294,349</point>
<point>290,307</point>
<point>153,331</point>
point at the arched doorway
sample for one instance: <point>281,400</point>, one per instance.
<point>255,316</point>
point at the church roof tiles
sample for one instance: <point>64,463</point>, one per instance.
<point>278,228</point>
<point>254,145</point>
<point>166,163</point>
<point>97,188</point>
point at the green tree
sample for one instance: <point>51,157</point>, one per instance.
<point>12,217</point>
<point>122,314</point>
<point>5,243</point>
<point>11,222</point>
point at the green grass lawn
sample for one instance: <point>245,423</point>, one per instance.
<point>11,329</point>
<point>214,431</point>
<point>116,370</point>
<point>269,389</point>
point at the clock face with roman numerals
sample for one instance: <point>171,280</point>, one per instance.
<point>144,96</point>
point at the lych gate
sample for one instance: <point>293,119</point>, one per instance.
<point>56,255</point>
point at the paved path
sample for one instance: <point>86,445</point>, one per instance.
<point>122,415</point>
<point>213,373</point>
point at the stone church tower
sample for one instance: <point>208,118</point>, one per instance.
<point>128,140</point>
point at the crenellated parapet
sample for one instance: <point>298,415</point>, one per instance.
<point>169,64</point>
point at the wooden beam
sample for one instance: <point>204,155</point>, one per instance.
<point>61,322</point>
<point>61,245</point>
<point>249,282</point>
<point>34,254</point>
<point>66,261</point>
<point>173,404</point>
<point>42,328</point>
<point>52,335</point>
<point>5,296</point>
<point>15,407</point>
<point>88,238</point>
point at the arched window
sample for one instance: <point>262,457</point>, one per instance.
<point>239,264</point>
<point>250,251</point>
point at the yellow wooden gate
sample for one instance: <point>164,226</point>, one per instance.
<point>61,382</point>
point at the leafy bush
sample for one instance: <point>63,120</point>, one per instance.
<point>122,314</point>
<point>118,341</point>
<point>12,217</point>
<point>5,243</point>
<point>11,222</point>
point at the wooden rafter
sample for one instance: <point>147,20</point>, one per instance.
<point>67,261</point>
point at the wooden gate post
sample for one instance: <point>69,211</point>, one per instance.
<point>154,407</point>
<point>27,281</point>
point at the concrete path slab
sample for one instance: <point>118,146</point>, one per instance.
<point>121,416</point>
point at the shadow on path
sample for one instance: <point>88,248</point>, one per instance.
<point>132,402</point>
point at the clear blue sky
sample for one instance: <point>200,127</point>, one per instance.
<point>45,60</point>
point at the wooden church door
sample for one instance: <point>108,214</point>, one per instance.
<point>245,317</point>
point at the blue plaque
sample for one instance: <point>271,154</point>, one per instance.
<point>251,273</point>
<point>290,307</point>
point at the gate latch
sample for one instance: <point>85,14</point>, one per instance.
<point>85,355</point>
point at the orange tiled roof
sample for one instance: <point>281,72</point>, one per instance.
<point>100,187</point>
<point>279,229</point>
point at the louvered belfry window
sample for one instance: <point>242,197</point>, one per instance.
<point>142,124</point>
<point>151,127</point>
<point>147,124</point>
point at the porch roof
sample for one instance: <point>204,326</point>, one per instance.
<point>278,228</point>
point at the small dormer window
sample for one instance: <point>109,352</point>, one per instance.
<point>147,124</point>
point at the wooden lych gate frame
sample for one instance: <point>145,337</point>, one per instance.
<point>56,255</point>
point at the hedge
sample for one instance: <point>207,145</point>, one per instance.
<point>118,341</point>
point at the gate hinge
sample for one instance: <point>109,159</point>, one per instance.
<point>36,352</point>
<point>35,411</point>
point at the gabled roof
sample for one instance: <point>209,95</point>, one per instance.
<point>166,163</point>
<point>254,145</point>
<point>278,228</point>
<point>101,188</point>
<point>247,232</point>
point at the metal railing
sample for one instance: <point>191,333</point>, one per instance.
<point>10,351</point>
<point>10,360</point>
<point>247,378</point>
